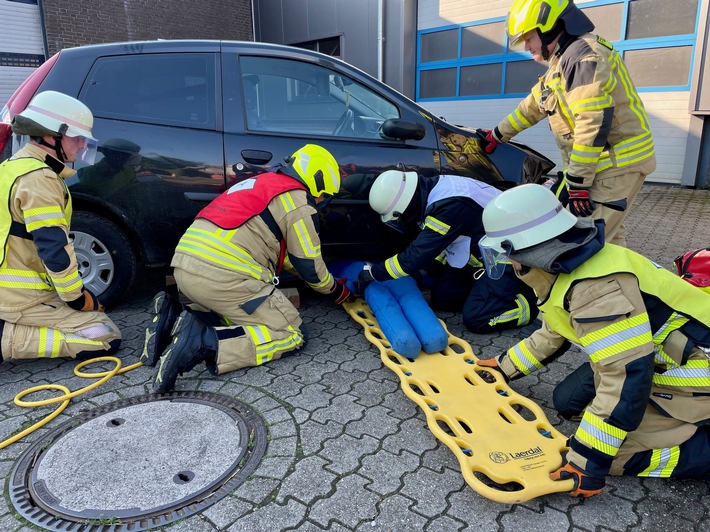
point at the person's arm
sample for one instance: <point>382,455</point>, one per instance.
<point>442,225</point>
<point>588,96</point>
<point>527,114</point>
<point>303,248</point>
<point>41,201</point>
<point>530,354</point>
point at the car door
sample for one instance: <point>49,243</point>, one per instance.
<point>278,99</point>
<point>158,121</point>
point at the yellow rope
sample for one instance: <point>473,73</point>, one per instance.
<point>68,395</point>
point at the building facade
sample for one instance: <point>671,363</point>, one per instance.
<point>466,71</point>
<point>34,30</point>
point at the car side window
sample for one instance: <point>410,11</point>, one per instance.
<point>296,97</point>
<point>167,89</point>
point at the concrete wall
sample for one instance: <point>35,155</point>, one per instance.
<point>81,22</point>
<point>356,23</point>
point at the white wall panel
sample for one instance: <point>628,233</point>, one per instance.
<point>21,29</point>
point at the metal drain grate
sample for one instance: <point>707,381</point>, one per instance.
<point>139,463</point>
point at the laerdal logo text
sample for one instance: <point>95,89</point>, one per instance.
<point>534,451</point>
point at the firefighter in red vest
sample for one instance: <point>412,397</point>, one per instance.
<point>228,263</point>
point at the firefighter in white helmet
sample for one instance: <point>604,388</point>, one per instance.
<point>45,310</point>
<point>446,211</point>
<point>228,263</point>
<point>593,109</point>
<point>644,394</point>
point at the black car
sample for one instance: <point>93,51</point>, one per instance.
<point>179,121</point>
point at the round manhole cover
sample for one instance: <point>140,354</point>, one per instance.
<point>138,463</point>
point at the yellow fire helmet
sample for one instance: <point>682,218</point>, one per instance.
<point>317,169</point>
<point>527,15</point>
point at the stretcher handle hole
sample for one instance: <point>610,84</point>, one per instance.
<point>524,412</point>
<point>489,482</point>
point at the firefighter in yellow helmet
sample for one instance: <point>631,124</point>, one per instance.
<point>594,111</point>
<point>45,310</point>
<point>644,393</point>
<point>228,263</point>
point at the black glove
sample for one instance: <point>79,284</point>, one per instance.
<point>491,140</point>
<point>341,293</point>
<point>579,203</point>
<point>491,363</point>
<point>364,278</point>
<point>584,485</point>
<point>86,302</point>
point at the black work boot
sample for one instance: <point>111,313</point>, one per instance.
<point>166,308</point>
<point>193,342</point>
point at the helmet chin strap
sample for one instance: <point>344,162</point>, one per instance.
<point>57,147</point>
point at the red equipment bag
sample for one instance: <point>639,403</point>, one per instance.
<point>694,267</point>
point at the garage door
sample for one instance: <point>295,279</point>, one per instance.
<point>21,44</point>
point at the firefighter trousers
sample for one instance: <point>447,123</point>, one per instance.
<point>52,329</point>
<point>661,446</point>
<point>614,188</point>
<point>259,323</point>
<point>487,305</point>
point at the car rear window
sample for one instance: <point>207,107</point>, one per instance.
<point>166,89</point>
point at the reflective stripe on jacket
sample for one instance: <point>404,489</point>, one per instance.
<point>595,113</point>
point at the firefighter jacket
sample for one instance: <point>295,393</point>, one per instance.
<point>644,330</point>
<point>594,112</point>
<point>38,258</point>
<point>255,228</point>
<point>451,228</point>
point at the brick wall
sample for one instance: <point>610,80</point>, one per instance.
<point>81,22</point>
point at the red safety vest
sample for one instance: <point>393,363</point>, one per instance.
<point>246,199</point>
<point>249,198</point>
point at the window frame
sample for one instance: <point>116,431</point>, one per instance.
<point>510,56</point>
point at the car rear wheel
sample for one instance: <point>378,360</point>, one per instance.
<point>107,261</point>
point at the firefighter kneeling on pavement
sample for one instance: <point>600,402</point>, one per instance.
<point>45,310</point>
<point>227,264</point>
<point>644,395</point>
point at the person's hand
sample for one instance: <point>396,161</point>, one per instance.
<point>364,278</point>
<point>86,302</point>
<point>491,363</point>
<point>491,141</point>
<point>341,293</point>
<point>584,484</point>
<point>579,202</point>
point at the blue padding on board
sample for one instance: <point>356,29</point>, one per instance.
<point>348,269</point>
<point>404,315</point>
<point>393,323</point>
<point>426,325</point>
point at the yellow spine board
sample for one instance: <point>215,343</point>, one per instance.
<point>503,441</point>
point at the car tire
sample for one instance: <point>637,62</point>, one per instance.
<point>107,261</point>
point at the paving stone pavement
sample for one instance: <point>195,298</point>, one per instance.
<point>349,451</point>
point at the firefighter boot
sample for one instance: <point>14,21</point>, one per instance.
<point>165,309</point>
<point>193,342</point>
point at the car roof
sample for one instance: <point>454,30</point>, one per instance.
<point>184,45</point>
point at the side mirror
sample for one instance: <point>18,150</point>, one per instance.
<point>394,128</point>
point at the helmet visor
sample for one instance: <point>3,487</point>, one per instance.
<point>87,155</point>
<point>496,257</point>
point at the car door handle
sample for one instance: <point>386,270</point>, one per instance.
<point>257,156</point>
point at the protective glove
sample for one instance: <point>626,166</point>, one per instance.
<point>579,203</point>
<point>491,363</point>
<point>86,302</point>
<point>584,485</point>
<point>490,139</point>
<point>341,293</point>
<point>364,278</point>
